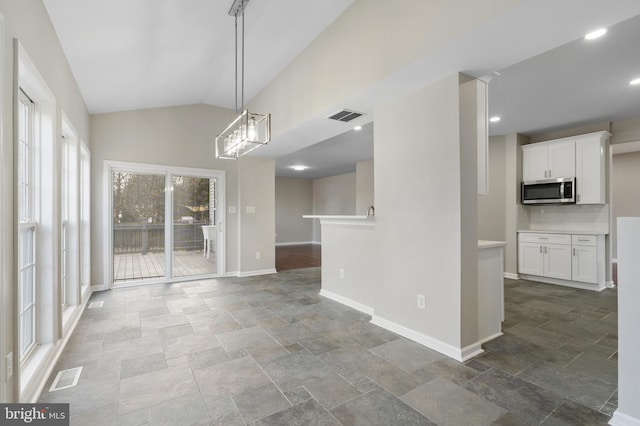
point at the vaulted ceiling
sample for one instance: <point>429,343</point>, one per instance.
<point>150,53</point>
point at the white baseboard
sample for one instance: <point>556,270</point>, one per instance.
<point>610,284</point>
<point>459,354</point>
<point>348,302</point>
<point>621,419</point>
<point>511,276</point>
<point>299,243</point>
<point>101,287</point>
<point>257,272</point>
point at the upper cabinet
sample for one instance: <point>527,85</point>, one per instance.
<point>590,169</point>
<point>548,160</point>
<point>582,157</point>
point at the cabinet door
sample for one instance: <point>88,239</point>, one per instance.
<point>590,176</point>
<point>562,159</point>
<point>584,264</point>
<point>530,259</point>
<point>534,162</point>
<point>557,261</point>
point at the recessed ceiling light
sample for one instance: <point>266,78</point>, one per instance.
<point>596,34</point>
<point>357,128</point>
<point>635,82</point>
<point>494,119</point>
<point>299,168</point>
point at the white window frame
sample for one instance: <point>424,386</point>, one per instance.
<point>27,232</point>
<point>70,226</point>
<point>85,220</point>
<point>109,167</point>
<point>47,220</point>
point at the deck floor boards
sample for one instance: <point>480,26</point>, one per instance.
<point>138,266</point>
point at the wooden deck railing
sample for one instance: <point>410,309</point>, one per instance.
<point>144,237</point>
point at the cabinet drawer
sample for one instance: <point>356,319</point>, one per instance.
<point>583,240</point>
<point>545,238</point>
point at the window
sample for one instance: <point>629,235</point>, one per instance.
<point>27,228</point>
<point>85,217</point>
<point>64,213</point>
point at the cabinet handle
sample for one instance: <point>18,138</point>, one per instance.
<point>540,249</point>
<point>574,251</point>
<point>578,198</point>
<point>583,240</point>
<point>545,249</point>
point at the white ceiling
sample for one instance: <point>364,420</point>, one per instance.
<point>135,54</point>
<point>581,82</point>
<point>149,53</point>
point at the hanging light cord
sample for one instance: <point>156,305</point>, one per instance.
<point>242,76</point>
<point>242,61</point>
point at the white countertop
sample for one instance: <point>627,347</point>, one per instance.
<point>485,244</point>
<point>336,216</point>
<point>567,231</point>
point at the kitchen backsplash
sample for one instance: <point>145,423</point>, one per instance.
<point>565,218</point>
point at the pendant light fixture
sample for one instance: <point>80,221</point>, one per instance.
<point>249,130</point>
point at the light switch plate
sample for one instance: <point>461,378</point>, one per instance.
<point>232,209</point>
<point>251,209</point>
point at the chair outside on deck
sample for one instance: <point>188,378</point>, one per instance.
<point>209,232</point>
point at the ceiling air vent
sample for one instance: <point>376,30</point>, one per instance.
<point>345,115</point>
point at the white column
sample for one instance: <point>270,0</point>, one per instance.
<point>628,412</point>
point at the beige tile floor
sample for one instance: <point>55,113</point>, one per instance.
<point>269,351</point>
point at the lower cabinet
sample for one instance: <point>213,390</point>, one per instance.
<point>562,258</point>
<point>584,261</point>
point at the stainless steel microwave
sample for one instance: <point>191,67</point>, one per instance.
<point>549,191</point>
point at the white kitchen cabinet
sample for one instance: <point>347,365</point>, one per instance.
<point>575,260</point>
<point>548,160</point>
<point>531,259</point>
<point>557,261</point>
<point>586,253</point>
<point>590,168</point>
<point>546,255</point>
<point>583,264</point>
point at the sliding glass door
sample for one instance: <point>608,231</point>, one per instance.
<point>138,226</point>
<point>194,230</point>
<point>165,223</point>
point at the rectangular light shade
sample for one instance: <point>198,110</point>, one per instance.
<point>247,132</point>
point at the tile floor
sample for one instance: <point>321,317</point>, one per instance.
<point>269,351</point>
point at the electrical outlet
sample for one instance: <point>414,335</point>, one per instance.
<point>341,273</point>
<point>9,365</point>
<point>421,301</point>
<point>258,255</point>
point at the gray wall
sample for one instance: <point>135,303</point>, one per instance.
<point>294,198</point>
<point>348,194</point>
<point>418,228</point>
<point>364,186</point>
<point>28,21</point>
<point>333,195</point>
<point>183,136</point>
<point>491,207</point>
<point>625,192</point>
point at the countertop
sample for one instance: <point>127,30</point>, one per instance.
<point>336,216</point>
<point>485,244</point>
<point>568,231</point>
